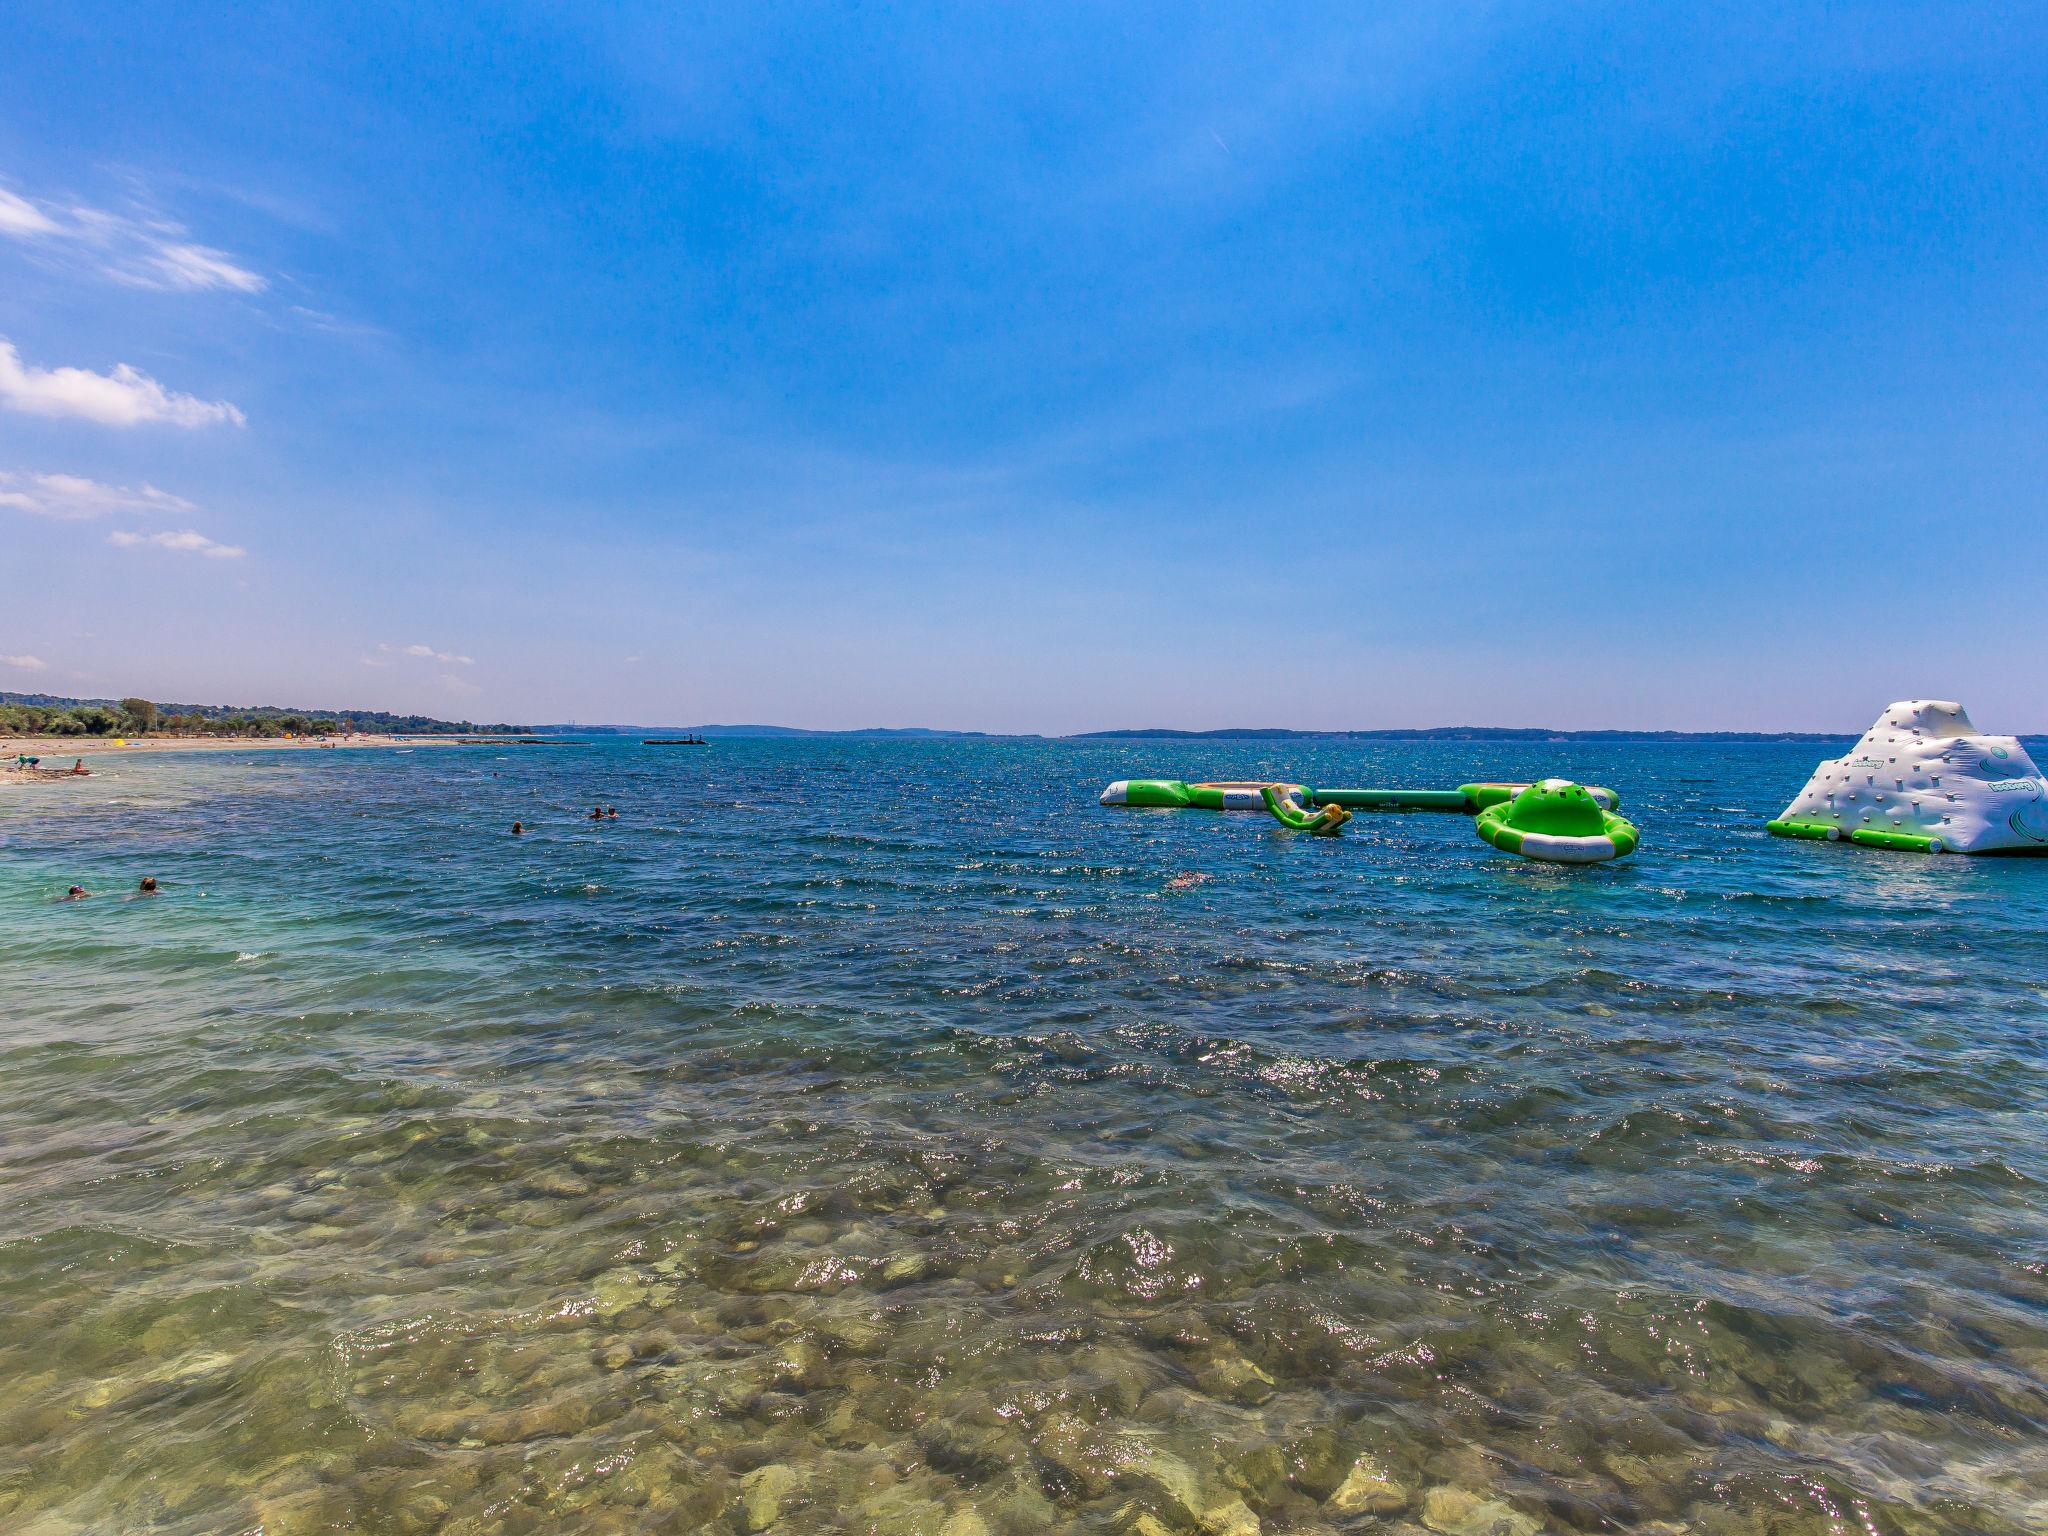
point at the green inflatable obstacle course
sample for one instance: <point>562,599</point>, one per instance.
<point>1484,797</point>
<point>1397,799</point>
<point>1327,821</point>
<point>1555,820</point>
<point>1465,800</point>
<point>1292,805</point>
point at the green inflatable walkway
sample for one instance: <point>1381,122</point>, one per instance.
<point>1554,820</point>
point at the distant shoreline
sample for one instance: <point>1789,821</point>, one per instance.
<point>1451,733</point>
<point>1471,733</point>
<point>54,747</point>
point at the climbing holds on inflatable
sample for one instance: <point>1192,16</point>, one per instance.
<point>1559,822</point>
<point>1483,797</point>
<point>1922,780</point>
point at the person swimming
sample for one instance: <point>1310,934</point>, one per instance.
<point>517,829</point>
<point>77,893</point>
<point>597,813</point>
<point>148,886</point>
<point>611,813</point>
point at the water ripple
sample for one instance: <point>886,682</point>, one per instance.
<point>883,1137</point>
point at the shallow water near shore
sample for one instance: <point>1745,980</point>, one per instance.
<point>884,1137</point>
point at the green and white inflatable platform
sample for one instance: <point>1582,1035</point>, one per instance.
<point>1923,780</point>
<point>1556,820</point>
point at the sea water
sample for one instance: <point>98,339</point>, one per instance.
<point>881,1136</point>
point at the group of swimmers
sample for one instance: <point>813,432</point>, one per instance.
<point>78,768</point>
<point>146,888</point>
<point>597,813</point>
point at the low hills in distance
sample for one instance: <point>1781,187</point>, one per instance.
<point>1235,733</point>
<point>1477,733</point>
<point>873,733</point>
<point>44,714</point>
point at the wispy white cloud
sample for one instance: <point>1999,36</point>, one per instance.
<point>179,265</point>
<point>73,497</point>
<point>426,653</point>
<point>22,219</point>
<point>24,663</point>
<point>185,541</point>
<point>126,397</point>
<point>333,325</point>
<point>142,251</point>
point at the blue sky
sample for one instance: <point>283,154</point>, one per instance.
<point>1041,368</point>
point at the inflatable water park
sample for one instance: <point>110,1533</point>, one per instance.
<point>1555,820</point>
<point>1921,780</point>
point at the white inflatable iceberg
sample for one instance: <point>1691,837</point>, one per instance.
<point>1923,779</point>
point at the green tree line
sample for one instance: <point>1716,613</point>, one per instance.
<point>123,720</point>
<point>43,715</point>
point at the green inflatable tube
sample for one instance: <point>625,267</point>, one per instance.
<point>1465,800</point>
<point>1325,822</point>
<point>1868,837</point>
<point>1905,842</point>
<point>1393,799</point>
<point>1814,831</point>
<point>1156,794</point>
<point>1558,822</point>
<point>1291,805</point>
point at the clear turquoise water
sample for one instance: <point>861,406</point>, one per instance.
<point>883,1137</point>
